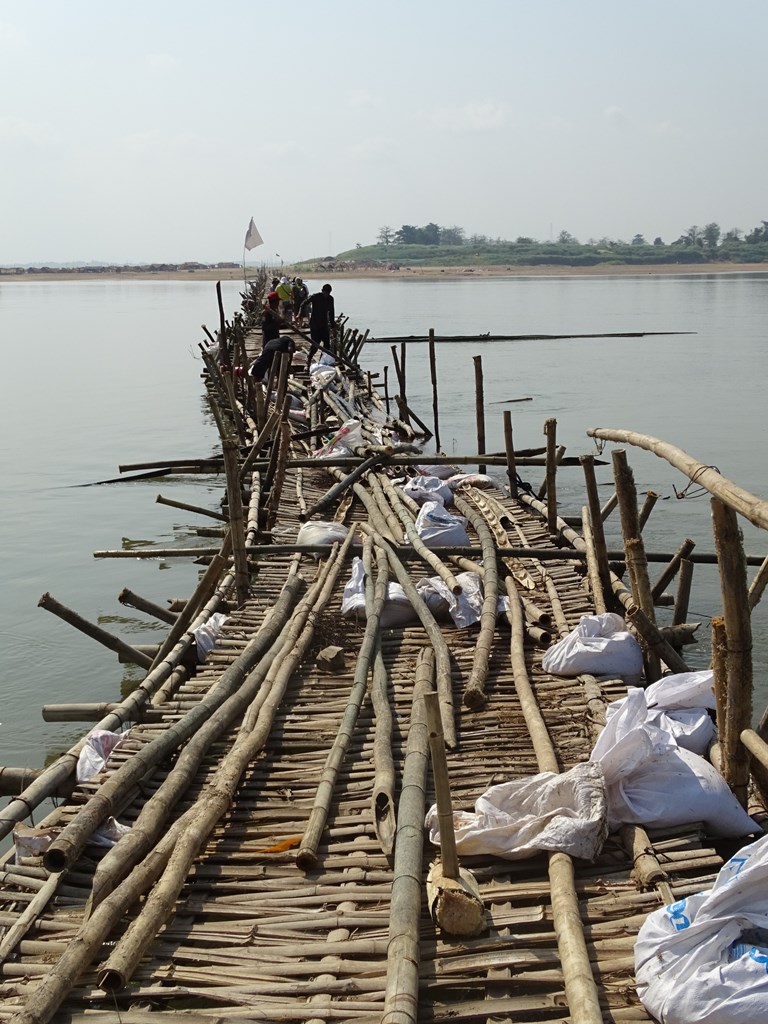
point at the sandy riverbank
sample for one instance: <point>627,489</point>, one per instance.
<point>422,273</point>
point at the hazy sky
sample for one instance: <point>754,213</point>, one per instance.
<point>142,131</point>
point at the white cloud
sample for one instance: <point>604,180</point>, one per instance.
<point>19,131</point>
<point>373,149</point>
<point>484,116</point>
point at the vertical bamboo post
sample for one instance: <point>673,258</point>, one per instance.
<point>509,446</point>
<point>479,408</point>
<point>596,525</point>
<point>236,529</point>
<point>224,357</point>
<point>637,564</point>
<point>386,386</point>
<point>404,379</point>
<point>720,673</point>
<point>593,571</point>
<point>683,592</point>
<point>738,629</point>
<point>550,430</point>
<point>433,375</point>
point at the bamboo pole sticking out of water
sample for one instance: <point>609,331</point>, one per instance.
<point>433,376</point>
<point>401,999</point>
<point>593,570</point>
<point>609,506</point>
<point>550,430</point>
<point>114,643</point>
<point>479,409</point>
<point>651,497</point>
<point>682,592</point>
<point>738,628</point>
<point>668,574</point>
<point>510,450</point>
<point>186,507</point>
<point>758,584</point>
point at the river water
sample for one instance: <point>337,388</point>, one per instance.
<point>101,374</point>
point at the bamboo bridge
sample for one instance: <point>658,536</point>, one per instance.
<point>276,861</point>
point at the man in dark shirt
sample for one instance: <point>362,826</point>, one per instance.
<point>321,318</point>
<point>272,341</point>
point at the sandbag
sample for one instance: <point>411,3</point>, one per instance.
<point>438,528</point>
<point>428,488</point>
<point>600,646</point>
<point>480,480</point>
<point>397,610</point>
<point>318,531</point>
<point>705,958</point>
<point>523,817</point>
<point>650,781</point>
<point>443,472</point>
<point>680,705</point>
<point>99,744</point>
<point>465,608</point>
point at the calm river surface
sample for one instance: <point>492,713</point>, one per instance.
<point>100,374</point>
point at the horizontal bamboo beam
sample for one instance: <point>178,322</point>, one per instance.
<point>752,508</point>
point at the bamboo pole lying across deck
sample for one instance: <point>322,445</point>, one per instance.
<point>401,1000</point>
<point>375,596</point>
<point>474,693</point>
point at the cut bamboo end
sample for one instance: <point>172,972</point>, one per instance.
<point>455,903</point>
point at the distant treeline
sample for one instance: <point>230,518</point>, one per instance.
<point>111,268</point>
<point>433,244</point>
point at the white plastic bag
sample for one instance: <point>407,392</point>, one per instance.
<point>348,437</point>
<point>651,781</point>
<point>438,528</point>
<point>543,812</point>
<point>318,531</point>
<point>705,958</point>
<point>601,646</point>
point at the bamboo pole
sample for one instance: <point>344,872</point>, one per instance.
<point>609,506</point>
<point>114,643</point>
<point>474,692</point>
<point>671,570</point>
<point>683,592</point>
<point>283,448</point>
<point>236,528</point>
<point>479,408</point>
<point>580,988</point>
<point>186,507</point>
<point>593,570</point>
<point>418,544</point>
<point>510,451</point>
<point>435,634</point>
<point>76,712</point>
<point>596,525</point>
<point>738,628</point>
<point>127,597</point>
<point>758,748</point>
<point>550,428</point>
<point>375,597</point>
<point>401,999</point>
<point>651,497</point>
<point>433,376</point>
<point>382,795</point>
<point>741,501</point>
<point>200,727</point>
<point>758,584</point>
<point>338,489</point>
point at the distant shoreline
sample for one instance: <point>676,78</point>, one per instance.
<point>409,273</point>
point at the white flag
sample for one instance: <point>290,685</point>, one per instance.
<point>252,236</point>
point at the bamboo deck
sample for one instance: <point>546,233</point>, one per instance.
<point>251,935</point>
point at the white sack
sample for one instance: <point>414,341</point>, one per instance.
<point>600,646</point>
<point>705,958</point>
<point>397,610</point>
<point>207,635</point>
<point>428,488</point>
<point>544,812</point>
<point>480,480</point>
<point>683,690</point>
<point>650,781</point>
<point>348,436</point>
<point>438,528</point>
<point>465,608</point>
<point>444,472</point>
<point>99,744</point>
<point>319,531</point>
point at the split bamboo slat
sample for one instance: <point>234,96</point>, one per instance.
<point>276,863</point>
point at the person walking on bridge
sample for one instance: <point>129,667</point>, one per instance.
<point>322,317</point>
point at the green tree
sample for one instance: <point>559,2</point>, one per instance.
<point>452,236</point>
<point>430,234</point>
<point>408,234</point>
<point>638,240</point>
<point>386,236</point>
<point>658,241</point>
<point>711,235</point>
<point>566,238</point>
